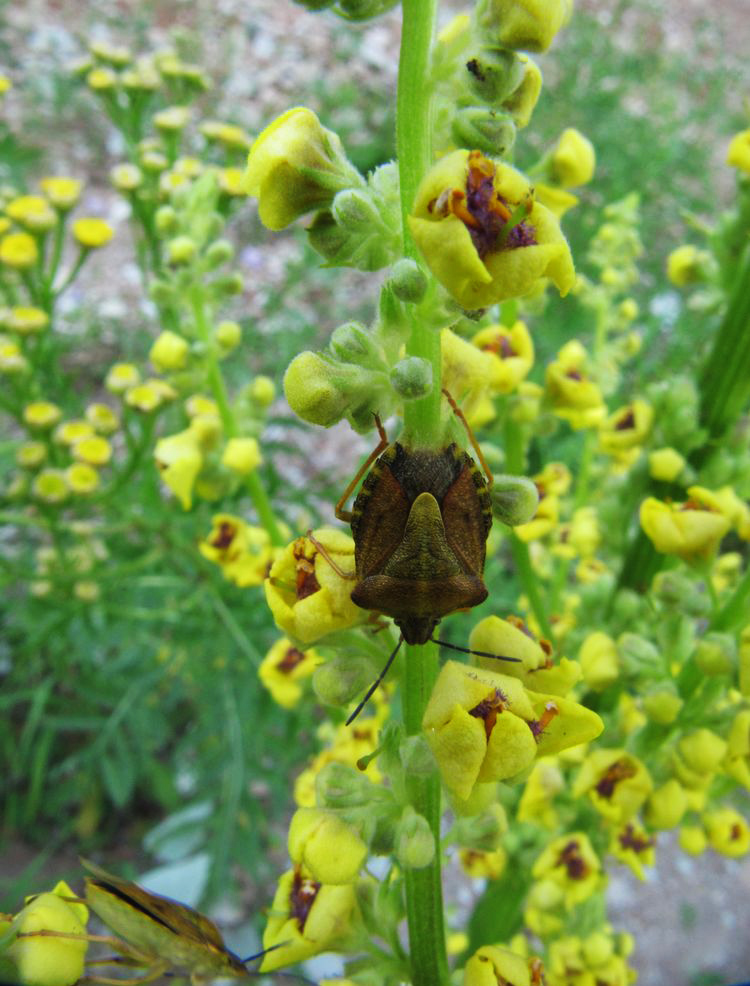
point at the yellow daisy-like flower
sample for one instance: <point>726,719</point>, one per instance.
<point>82,478</point>
<point>101,79</point>
<point>308,597</point>
<point>284,667</point>
<point>173,118</point>
<point>92,233</point>
<point>121,377</point>
<point>63,193</point>
<point>691,530</point>
<point>149,395</point>
<point>512,350</point>
<point>93,450</point>
<point>41,414</point>
<point>18,250</point>
<point>33,212</point>
<point>483,235</point>
<point>26,320</point>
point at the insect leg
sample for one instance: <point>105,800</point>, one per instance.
<point>322,551</point>
<point>373,687</point>
<point>382,445</point>
<point>474,443</point>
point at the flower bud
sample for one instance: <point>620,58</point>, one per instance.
<point>692,839</point>
<point>666,805</point>
<point>181,250</point>
<point>687,265</point>
<point>738,152</point>
<point>166,220</point>
<point>322,391</point>
<point>339,786</point>
<point>169,352</point>
<point>702,751</point>
<point>514,499</point>
<point>326,845</point>
<point>489,131</point>
<point>662,704</point>
<point>411,378</point>
<point>493,74</point>
<point>599,661</point>
<point>228,285</point>
<point>573,159</point>
<point>41,959</point>
<point>416,756</point>
<point>665,464</point>
<point>529,25</point>
<point>218,253</point>
<point>415,843</point>
<point>408,281</point>
<point>638,655</point>
<point>241,455</point>
<point>716,654</point>
<point>521,102</point>
<point>353,343</point>
<point>676,589</point>
<point>228,335</point>
<point>340,680</point>
<point>483,832</point>
<point>354,210</point>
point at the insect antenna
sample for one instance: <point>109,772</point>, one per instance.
<point>476,653</point>
<point>373,687</point>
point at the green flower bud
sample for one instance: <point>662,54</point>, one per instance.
<point>676,589</point>
<point>493,74</point>
<point>161,292</point>
<point>341,680</point>
<point>228,285</point>
<point>486,130</point>
<point>529,25</point>
<point>411,378</point>
<point>638,655</point>
<point>219,252</point>
<point>408,281</point>
<point>716,654</point>
<point>166,220</point>
<point>339,786</point>
<point>315,5</point>
<point>662,704</point>
<point>181,250</point>
<point>354,210</point>
<point>228,335</point>
<point>415,843</point>
<point>323,391</point>
<point>363,10</point>
<point>416,756</point>
<point>352,343</point>
<point>514,499</point>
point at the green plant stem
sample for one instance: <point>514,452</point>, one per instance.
<point>735,609</point>
<point>424,896</point>
<point>219,391</point>
<point>414,147</point>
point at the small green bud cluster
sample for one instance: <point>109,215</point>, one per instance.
<point>350,10</point>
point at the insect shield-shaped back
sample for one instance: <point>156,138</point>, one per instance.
<point>420,525</point>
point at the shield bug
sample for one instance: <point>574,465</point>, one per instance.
<point>420,524</point>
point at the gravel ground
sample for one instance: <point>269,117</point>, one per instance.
<point>691,916</point>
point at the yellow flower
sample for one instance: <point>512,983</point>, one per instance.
<point>149,395</point>
<point>467,374</point>
<point>698,757</point>
<point>282,669</point>
<point>326,846</point>
<point>296,165</point>
<point>537,801</point>
<point>665,464</point>
<point>12,359</point>
<point>70,432</point>
<point>63,193</point>
<point>5,84</point>
<point>616,782</point>
<point>101,79</point>
<point>126,177</point>
<point>43,959</point>
<point>661,703</point>
<point>241,455</point>
<point>478,726</point>
<point>530,25</point>
<point>557,200</point>
<point>483,864</point>
<point>305,918</point>
<point>33,212</point>
<point>41,414</point>
<point>737,763</point>
<point>26,319</point>
<point>50,486</point>
<point>307,596</point>
<point>728,832</point>
<point>599,661</point>
<point>114,54</point>
<point>692,839</point>
<point>18,250</point>
<point>736,509</point>
<point>512,352</point>
<point>81,478</point>
<point>93,450</point>
<point>483,235</point>
<point>626,428</point>
<point>684,265</point>
<point>92,233</point>
<point>574,397</point>
<point>31,455</point>
<point>179,460</point>
<point>573,159</point>
<point>169,351</point>
<point>570,862</point>
<point>544,520</point>
<point>633,846</point>
<point>691,530</point>
<point>666,805</point>
<point>521,102</point>
<point>738,152</point>
<point>491,965</point>
<point>121,377</point>
<point>102,418</point>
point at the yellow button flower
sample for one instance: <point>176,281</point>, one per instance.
<point>700,752</point>
<point>283,668</point>
<point>31,455</point>
<point>665,464</point>
<point>33,212</point>
<point>149,395</point>
<point>491,965</point>
<point>738,152</point>
<point>121,377</point>
<point>63,193</point>
<point>172,119</point>
<point>571,863</point>
<point>12,359</point>
<point>329,848</point>
<point>26,320</point>
<point>228,134</point>
<point>93,450</point>
<point>483,235</point>
<point>305,918</point>
<point>70,432</point>
<point>626,427</point>
<point>573,159</point>
<point>530,25</point>
<point>691,530</point>
<point>102,418</point>
<point>179,460</point>
<point>169,352</point>
<point>512,350</point>
<point>40,958</point>
<point>126,177</point>
<point>616,782</point>
<point>50,486</point>
<point>92,233</point>
<point>294,166</point>
<point>82,478</point>
<point>18,250</point>
<point>41,414</point>
<point>728,832</point>
<point>241,455</point>
<point>478,726</point>
<point>307,596</point>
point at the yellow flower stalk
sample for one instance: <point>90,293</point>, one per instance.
<point>307,596</point>
<point>295,166</point>
<point>616,782</point>
<point>326,846</point>
<point>305,918</point>
<point>38,956</point>
<point>512,350</point>
<point>691,530</point>
<point>284,667</point>
<point>482,234</point>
